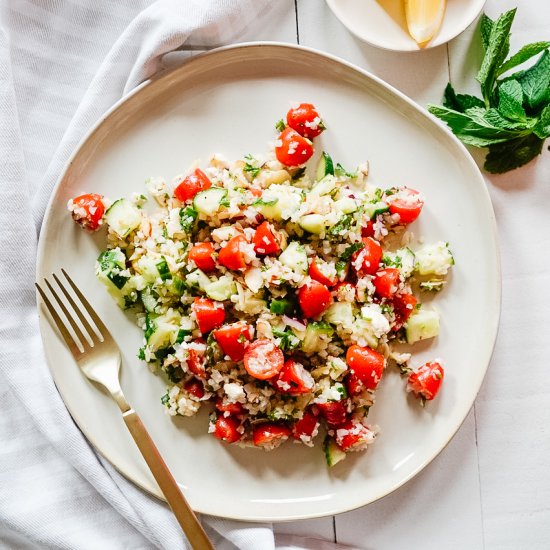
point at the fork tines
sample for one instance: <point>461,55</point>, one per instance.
<point>83,335</point>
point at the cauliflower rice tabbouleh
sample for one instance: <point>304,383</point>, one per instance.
<point>273,293</point>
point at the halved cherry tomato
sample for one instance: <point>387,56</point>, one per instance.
<point>194,183</point>
<point>234,408</point>
<point>305,120</point>
<point>294,378</point>
<point>314,299</point>
<point>194,387</point>
<point>87,210</point>
<point>352,436</point>
<point>407,203</point>
<point>426,380</point>
<point>226,429</point>
<point>368,229</point>
<point>306,426</point>
<point>265,241</point>
<point>334,412</point>
<point>209,314</point>
<point>196,362</point>
<point>403,306</point>
<point>270,433</point>
<point>231,255</point>
<point>386,282</point>
<point>317,275</point>
<point>367,364</point>
<point>354,384</point>
<point>344,292</point>
<point>203,256</point>
<point>263,359</point>
<point>293,149</point>
<point>369,257</point>
<point>233,339</point>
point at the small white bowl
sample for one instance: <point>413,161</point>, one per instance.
<point>382,23</point>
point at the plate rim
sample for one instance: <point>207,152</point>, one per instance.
<point>338,13</point>
<point>164,74</point>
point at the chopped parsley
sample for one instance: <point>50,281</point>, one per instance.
<point>280,125</point>
<point>288,340</point>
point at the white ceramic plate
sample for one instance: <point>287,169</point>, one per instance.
<point>382,23</point>
<point>228,101</point>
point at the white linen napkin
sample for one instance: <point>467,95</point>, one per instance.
<point>62,65</point>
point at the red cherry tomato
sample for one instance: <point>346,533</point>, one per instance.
<point>352,436</point>
<point>334,412</point>
<point>265,241</point>
<point>367,260</point>
<point>293,149</point>
<point>196,362</point>
<point>407,203</point>
<point>368,229</point>
<point>195,388</point>
<point>314,299</point>
<point>403,306</point>
<point>386,282</point>
<point>317,275</point>
<point>426,380</point>
<point>306,426</point>
<point>87,210</point>
<point>263,359</point>
<point>194,183</point>
<point>233,409</point>
<point>367,364</point>
<point>209,314</point>
<point>305,120</point>
<point>255,192</point>
<point>231,255</point>
<point>226,429</point>
<point>270,433</point>
<point>203,256</point>
<point>233,339</point>
<point>294,378</point>
<point>354,384</point>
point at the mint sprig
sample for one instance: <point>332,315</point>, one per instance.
<point>512,118</point>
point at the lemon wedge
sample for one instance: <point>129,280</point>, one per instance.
<point>424,18</point>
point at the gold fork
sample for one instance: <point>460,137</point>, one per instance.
<point>100,362</point>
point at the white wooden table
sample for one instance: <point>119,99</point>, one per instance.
<point>490,488</point>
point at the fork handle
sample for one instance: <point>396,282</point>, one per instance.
<point>168,485</point>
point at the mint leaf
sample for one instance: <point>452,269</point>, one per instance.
<point>497,50</point>
<point>542,127</point>
<point>510,99</point>
<point>485,28</point>
<point>460,102</point>
<point>535,82</point>
<point>527,52</point>
<point>506,156</point>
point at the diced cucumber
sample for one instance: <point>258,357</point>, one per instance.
<point>312,341</point>
<point>162,330</point>
<point>123,217</point>
<point>346,205</point>
<point>421,325</point>
<point>210,201</point>
<point>372,209</point>
<point>148,267</point>
<point>294,257</point>
<point>198,278</point>
<point>340,313</point>
<point>333,453</point>
<point>312,223</point>
<point>163,269</point>
<point>148,299</point>
<point>433,285</point>
<point>402,259</point>
<point>324,186</point>
<point>269,209</point>
<point>109,267</point>
<point>325,166</point>
<point>279,202</point>
<point>434,259</point>
<point>222,289</point>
